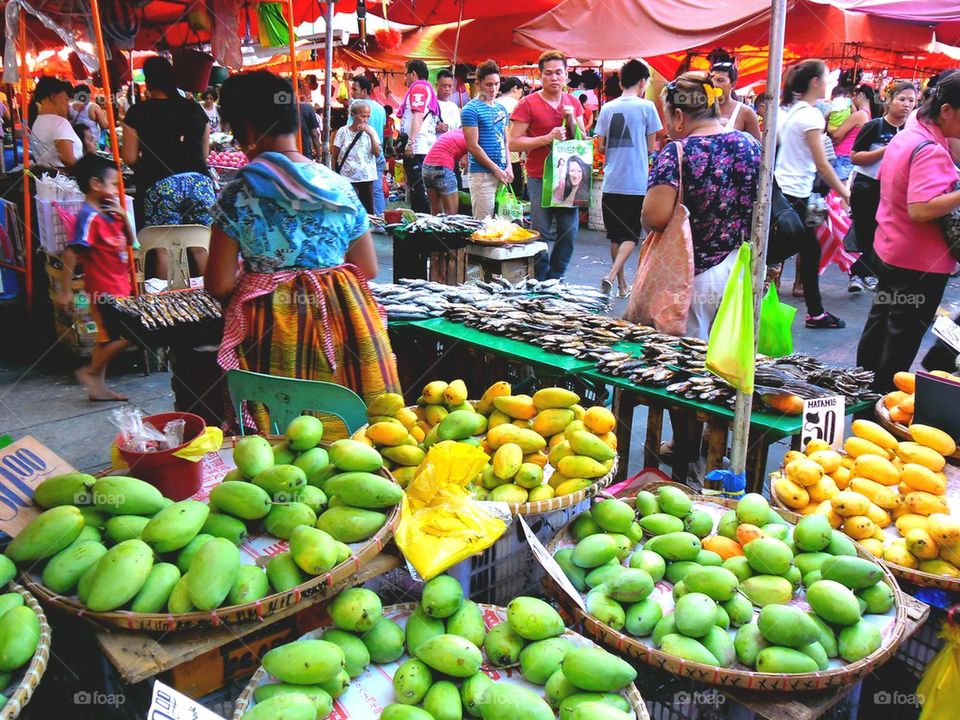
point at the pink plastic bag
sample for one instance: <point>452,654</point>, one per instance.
<point>662,286</point>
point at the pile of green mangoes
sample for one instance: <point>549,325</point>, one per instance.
<point>117,542</point>
<point>447,642</point>
<point>19,630</point>
<point>755,558</point>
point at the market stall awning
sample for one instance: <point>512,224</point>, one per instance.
<point>442,12</point>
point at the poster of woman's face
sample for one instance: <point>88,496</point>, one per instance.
<point>571,178</point>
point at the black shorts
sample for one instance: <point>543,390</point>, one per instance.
<point>621,217</point>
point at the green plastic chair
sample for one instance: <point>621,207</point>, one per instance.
<point>286,398</point>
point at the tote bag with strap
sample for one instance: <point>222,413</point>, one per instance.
<point>664,280</point>
<point>556,173</point>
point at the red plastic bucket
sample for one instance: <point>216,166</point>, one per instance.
<point>176,478</point>
<point>191,70</point>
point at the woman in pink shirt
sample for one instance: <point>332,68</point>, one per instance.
<point>918,186</point>
<point>439,172</point>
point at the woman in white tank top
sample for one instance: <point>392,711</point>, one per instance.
<point>733,113</point>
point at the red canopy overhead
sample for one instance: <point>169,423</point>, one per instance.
<point>442,12</point>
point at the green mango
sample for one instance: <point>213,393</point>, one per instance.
<point>179,600</point>
<point>533,619</point>
<point>87,534</point>
<point>647,560</point>
<point>225,526</point>
<point>421,627</point>
<point>502,645</point>
<point>241,499</point>
<point>284,573</point>
<point>833,602</point>
<point>234,474</point>
<point>252,454</point>
<point>576,575</point>
<point>793,576</point>
<point>501,701</point>
<point>354,456</point>
<point>739,610</point>
<point>541,659</point>
<point>807,562</point>
<point>719,643</point>
<point>753,508</point>
<point>776,530</point>
<point>185,556</point>
<point>679,590</point>
<point>441,596</point>
<point>594,551</point>
<point>665,626</point>
<point>722,619</point>
<point>688,648</point>
<point>7,601</point>
<point>19,635</point>
<point>784,660</point>
<point>472,690</point>
<point>630,585</point>
<point>384,641</point>
<point>764,590</point>
<point>646,503</point>
<point>312,460</point>
<point>251,585</point>
<point>314,498</point>
<point>674,501</point>
<point>604,608</point>
<point>613,515</point>
<point>404,712</point>
<point>728,524</point>
<point>815,650</point>
<point>583,525</point>
<point>119,495</point>
<point>675,545</point>
<point>320,697</point>
<point>305,662</point>
<point>467,622</point>
<point>64,570</point>
<point>450,655</point>
<point>355,654</point>
<point>826,637</point>
<point>879,598</point>
<point>585,443</point>
<point>349,524</point>
<point>337,686</point>
<point>312,549</point>
<point>594,669</point>
<point>748,642</point>
<point>768,556</point>
<point>600,575</point>
<point>155,593</point>
<point>813,533</point>
<point>840,544</point>
<point>696,614</point>
<point>786,625</point>
<point>558,688</point>
<point>442,701</point>
<point>598,711</point>
<point>709,558</point>
<point>624,546</point>
<point>174,527</point>
<point>213,572</point>
<point>320,476</point>
<point>283,454</point>
<point>125,527</point>
<point>642,617</point>
<point>854,642</point>
<point>716,582</point>
<point>47,534</point>
<point>699,523</point>
<point>411,682</point>
<point>71,488</point>
<point>119,575</point>
<point>855,573</point>
<point>8,570</point>
<point>356,610</point>
<point>85,583</point>
<point>364,490</point>
<point>635,533</point>
<point>677,571</point>
<point>576,703</point>
<point>661,524</point>
<point>281,482</point>
<point>282,519</point>
<point>812,577</point>
<point>461,424</point>
<point>304,432</point>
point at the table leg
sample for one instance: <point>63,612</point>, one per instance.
<point>717,430</point>
<point>757,452</point>
<point>651,450</point>
<point>686,449</point>
<point>623,405</point>
<point>795,442</point>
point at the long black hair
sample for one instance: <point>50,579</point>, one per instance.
<point>259,101</point>
<point>583,190</point>
<point>946,92</point>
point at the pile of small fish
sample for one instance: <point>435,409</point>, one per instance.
<point>657,368</point>
<point>852,383</point>
<point>442,224</point>
<point>168,309</point>
<point>421,299</point>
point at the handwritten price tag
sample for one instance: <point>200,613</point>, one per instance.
<point>168,704</point>
<point>549,564</point>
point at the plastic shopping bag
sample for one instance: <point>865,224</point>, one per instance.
<point>730,350</point>
<point>440,523</point>
<point>567,173</point>
<point>508,206</point>
<point>775,338</point>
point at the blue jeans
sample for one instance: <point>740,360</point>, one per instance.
<point>379,202</point>
<point>554,264</point>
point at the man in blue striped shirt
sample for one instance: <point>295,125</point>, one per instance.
<point>484,128</point>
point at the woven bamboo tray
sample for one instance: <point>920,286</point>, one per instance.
<point>917,577</point>
<point>731,677</point>
<point>245,700</point>
<point>900,430</point>
<point>22,693</point>
<point>168,622</point>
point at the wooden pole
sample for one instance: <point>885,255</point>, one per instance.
<point>761,219</point>
<point>25,136</point>
<point>294,75</point>
<point>456,42</point>
<point>112,122</point>
<point>327,80</point>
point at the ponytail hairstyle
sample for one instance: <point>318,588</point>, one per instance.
<point>946,92</point>
<point>694,94</point>
<point>722,61</point>
<point>798,78</point>
<point>876,108</point>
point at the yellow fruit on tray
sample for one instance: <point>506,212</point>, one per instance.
<point>791,456</point>
<point>572,486</point>
<point>905,381</point>
<point>900,416</point>
<point>823,489</point>
<point>804,472</point>
<point>873,546</point>
<point>791,494</point>
<point>912,452</point>
<point>809,509</point>
<point>923,503</point>
<point>906,523</point>
<point>898,554</point>
<point>857,446</point>
<point>950,553</point>
<point>498,389</point>
<point>519,407</point>
<point>877,493</point>
<point>825,508</point>
<point>869,430</point>
<point>944,528</point>
<point>599,420</point>
<point>816,445</point>
<point>934,438</point>
<point>848,503</point>
<point>829,460</point>
<point>859,527</point>
<point>939,567</point>
<point>892,399</point>
<point>921,544</point>
<point>877,468</point>
<point>841,476</point>
<point>918,477</point>
<point>880,517</point>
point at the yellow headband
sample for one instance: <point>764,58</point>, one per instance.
<point>713,93</point>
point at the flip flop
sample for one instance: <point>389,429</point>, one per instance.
<point>606,286</point>
<point>623,295</point>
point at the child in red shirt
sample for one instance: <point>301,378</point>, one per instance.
<point>101,242</point>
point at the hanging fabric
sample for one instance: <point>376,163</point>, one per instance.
<point>274,30</point>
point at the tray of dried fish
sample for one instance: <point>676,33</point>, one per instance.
<point>436,232</point>
<point>853,383</point>
<point>167,318</point>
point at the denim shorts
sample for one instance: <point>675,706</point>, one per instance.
<point>439,178</point>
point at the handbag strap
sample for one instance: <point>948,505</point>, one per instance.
<point>343,158</point>
<point>679,172</point>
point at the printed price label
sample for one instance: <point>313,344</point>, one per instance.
<point>823,420</point>
<point>24,465</point>
<point>549,564</point>
<point>168,704</point>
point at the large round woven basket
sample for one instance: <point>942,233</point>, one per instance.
<point>731,677</point>
<point>245,700</point>
<point>22,693</point>
<point>269,605</point>
<point>900,430</point>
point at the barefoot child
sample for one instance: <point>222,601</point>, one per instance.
<point>99,243</point>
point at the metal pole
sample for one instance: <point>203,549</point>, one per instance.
<point>761,218</point>
<point>112,122</point>
<point>327,81</point>
<point>294,76</point>
<point>25,138</point>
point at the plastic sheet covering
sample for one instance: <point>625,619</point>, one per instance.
<point>69,19</point>
<point>225,37</point>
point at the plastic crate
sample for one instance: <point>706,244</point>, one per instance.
<point>50,229</point>
<point>918,650</point>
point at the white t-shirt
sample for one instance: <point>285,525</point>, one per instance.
<point>46,130</point>
<point>450,113</point>
<point>510,103</point>
<point>361,163</point>
<point>796,169</point>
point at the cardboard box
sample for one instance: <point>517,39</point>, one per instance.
<point>24,465</point>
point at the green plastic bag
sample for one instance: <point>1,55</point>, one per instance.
<point>730,350</point>
<point>568,173</point>
<point>775,338</point>
<point>508,206</point>
<point>274,30</point>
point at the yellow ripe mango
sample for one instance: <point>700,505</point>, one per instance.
<point>556,440</point>
<point>407,417</point>
<point>918,477</point>
<point>417,433</point>
<point>433,414</point>
<point>847,462</point>
<point>923,503</point>
<point>808,509</point>
<point>791,456</point>
<point>403,475</point>
<point>829,460</point>
<point>912,452</point>
<point>498,389</point>
<point>599,420</point>
<point>823,489</point>
<point>578,411</point>
<point>804,472</point>
<point>933,438</point>
<point>519,407</point>
<point>581,466</point>
<point>944,528</point>
<point>877,434</point>
<point>873,546</point>
<point>859,527</point>
<point>572,486</point>
<point>841,476</point>
<point>921,544</point>
<point>541,492</point>
<point>507,460</point>
<point>497,418</point>
<point>880,517</point>
<point>522,424</point>
<point>857,446</point>
<point>527,439</point>
<point>905,381</point>
<point>610,438</point>
<point>899,555</point>
<point>849,503</point>
<point>552,421</point>
<point>939,567</point>
<point>537,458</point>
<point>876,468</point>
<point>901,509</point>
<point>826,508</point>
<point>877,493</point>
<point>951,554</point>
<point>791,494</point>
<point>554,398</point>
<point>816,445</point>
<point>906,523</point>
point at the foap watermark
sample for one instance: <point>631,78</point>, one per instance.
<point>89,497</point>
<point>883,697</point>
<point>699,698</point>
<point>82,697</point>
<point>887,297</point>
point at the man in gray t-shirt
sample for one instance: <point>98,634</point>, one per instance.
<point>626,127</point>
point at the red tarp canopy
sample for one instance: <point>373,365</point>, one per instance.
<point>442,12</point>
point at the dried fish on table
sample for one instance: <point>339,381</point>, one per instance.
<point>168,309</point>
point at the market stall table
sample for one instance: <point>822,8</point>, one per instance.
<point>513,261</point>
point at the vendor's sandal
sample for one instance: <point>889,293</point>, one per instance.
<point>623,294</point>
<point>606,287</point>
<point>825,320</point>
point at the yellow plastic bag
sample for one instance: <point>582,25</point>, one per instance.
<point>210,440</point>
<point>937,691</point>
<point>440,523</point>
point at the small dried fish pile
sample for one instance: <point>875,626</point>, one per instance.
<point>442,225</point>
<point>170,308</point>
<point>852,383</point>
<point>650,371</point>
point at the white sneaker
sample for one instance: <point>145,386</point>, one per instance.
<point>870,283</point>
<point>855,285</point>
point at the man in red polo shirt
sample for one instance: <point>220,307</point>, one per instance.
<point>539,119</point>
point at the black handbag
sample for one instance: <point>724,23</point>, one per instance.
<point>786,229</point>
